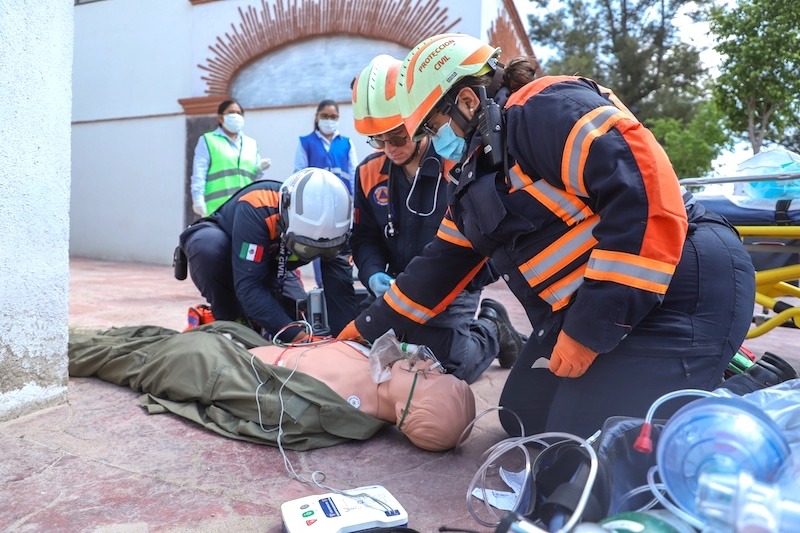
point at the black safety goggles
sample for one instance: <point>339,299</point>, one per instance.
<point>309,249</point>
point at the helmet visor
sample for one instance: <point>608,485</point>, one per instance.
<point>309,249</point>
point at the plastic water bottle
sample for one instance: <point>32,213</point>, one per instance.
<point>737,502</point>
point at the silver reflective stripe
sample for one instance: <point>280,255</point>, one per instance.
<point>544,265</point>
<point>587,129</point>
<point>516,180</point>
<point>220,194</point>
<point>452,232</point>
<point>296,192</point>
<point>626,269</point>
<point>230,172</point>
<point>405,309</point>
<point>561,294</point>
<point>574,213</point>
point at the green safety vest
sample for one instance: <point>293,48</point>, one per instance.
<point>226,174</point>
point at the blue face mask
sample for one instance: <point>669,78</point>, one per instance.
<point>449,145</point>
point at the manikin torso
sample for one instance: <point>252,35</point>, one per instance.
<point>343,366</point>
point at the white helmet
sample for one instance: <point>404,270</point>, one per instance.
<point>316,213</point>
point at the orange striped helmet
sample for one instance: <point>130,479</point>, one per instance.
<point>432,68</point>
<point>375,109</point>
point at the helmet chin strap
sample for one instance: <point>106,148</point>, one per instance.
<point>411,158</point>
<point>466,125</point>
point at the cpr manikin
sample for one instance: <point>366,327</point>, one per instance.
<point>432,409</point>
<point>226,377</point>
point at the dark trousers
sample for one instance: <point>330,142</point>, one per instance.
<point>706,315</point>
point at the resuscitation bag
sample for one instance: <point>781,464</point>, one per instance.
<point>757,433</point>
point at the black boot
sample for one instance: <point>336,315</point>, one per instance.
<point>511,341</point>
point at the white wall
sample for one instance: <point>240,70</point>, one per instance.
<point>35,91</point>
<point>133,58</point>
<point>127,190</point>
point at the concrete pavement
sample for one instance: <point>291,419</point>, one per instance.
<point>101,463</point>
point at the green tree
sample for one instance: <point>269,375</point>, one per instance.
<point>630,46</point>
<point>758,88</point>
<point>692,147</point>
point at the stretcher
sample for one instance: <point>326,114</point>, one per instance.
<point>770,229</point>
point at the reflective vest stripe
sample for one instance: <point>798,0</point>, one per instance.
<point>564,250</point>
<point>593,124</point>
<point>229,172</point>
<point>518,179</point>
<point>415,312</point>
<point>449,232</point>
<point>565,206</point>
<point>559,293</point>
<point>631,270</point>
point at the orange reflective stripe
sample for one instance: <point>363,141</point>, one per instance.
<point>261,198</point>
<point>560,293</point>
<point>609,94</point>
<point>272,226</point>
<point>408,308</point>
<point>520,96</point>
<point>449,232</point>
<point>592,125</point>
<point>666,226</point>
<point>564,250</point>
<point>565,206</point>
<point>630,270</point>
<point>405,306</point>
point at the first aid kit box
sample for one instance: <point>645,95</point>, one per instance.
<point>353,510</point>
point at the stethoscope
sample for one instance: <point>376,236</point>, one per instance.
<point>389,230</point>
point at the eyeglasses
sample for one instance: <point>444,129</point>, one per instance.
<point>329,117</point>
<point>396,141</point>
<point>429,130</point>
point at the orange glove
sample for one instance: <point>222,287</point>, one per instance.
<point>570,359</point>
<point>350,333</point>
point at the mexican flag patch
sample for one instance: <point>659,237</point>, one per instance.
<point>251,252</point>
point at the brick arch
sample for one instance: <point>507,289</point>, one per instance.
<point>268,28</point>
<point>508,32</point>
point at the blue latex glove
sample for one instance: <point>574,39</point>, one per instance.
<point>380,283</point>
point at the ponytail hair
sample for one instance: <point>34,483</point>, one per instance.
<point>520,71</point>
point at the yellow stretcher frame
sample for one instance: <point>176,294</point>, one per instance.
<point>771,283</point>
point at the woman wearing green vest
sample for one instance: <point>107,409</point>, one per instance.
<point>225,160</point>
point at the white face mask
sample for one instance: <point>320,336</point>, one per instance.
<point>328,126</point>
<point>233,122</point>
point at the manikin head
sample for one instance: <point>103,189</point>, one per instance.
<point>434,411</point>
